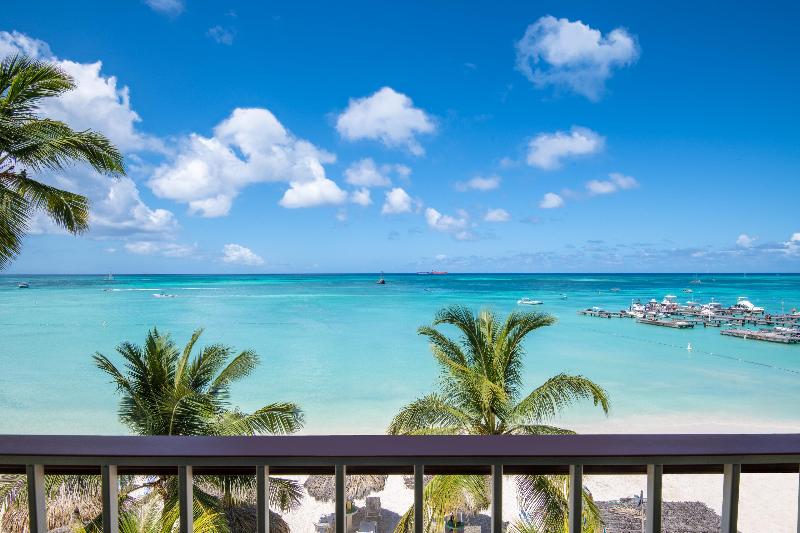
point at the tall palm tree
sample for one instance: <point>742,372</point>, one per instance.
<point>30,143</point>
<point>481,393</point>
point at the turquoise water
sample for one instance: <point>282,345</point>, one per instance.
<point>346,349</point>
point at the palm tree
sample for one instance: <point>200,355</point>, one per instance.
<point>166,390</point>
<point>29,143</point>
<point>481,393</point>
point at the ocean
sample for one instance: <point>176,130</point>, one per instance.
<point>346,349</point>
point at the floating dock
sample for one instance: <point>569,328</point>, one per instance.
<point>678,324</point>
<point>600,313</point>
<point>762,335</point>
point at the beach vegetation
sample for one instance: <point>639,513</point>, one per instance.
<point>481,392</point>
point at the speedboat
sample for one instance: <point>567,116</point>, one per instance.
<point>163,295</point>
<point>743,304</point>
<point>563,296</point>
<point>615,289</point>
<point>688,290</point>
<point>23,285</point>
<point>529,301</point>
<point>381,281</point>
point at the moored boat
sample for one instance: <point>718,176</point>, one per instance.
<point>529,301</point>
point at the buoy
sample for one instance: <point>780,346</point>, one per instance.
<point>689,347</point>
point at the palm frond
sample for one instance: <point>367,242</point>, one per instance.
<point>557,393</point>
<point>430,414</point>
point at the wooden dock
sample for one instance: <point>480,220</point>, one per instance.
<point>678,324</point>
<point>601,313</point>
<point>762,335</point>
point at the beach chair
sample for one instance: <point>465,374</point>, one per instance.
<point>367,526</point>
<point>373,508</point>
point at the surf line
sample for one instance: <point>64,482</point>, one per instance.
<point>695,351</point>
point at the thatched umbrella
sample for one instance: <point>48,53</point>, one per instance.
<point>243,518</point>
<point>323,488</point>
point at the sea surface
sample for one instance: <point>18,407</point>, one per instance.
<point>346,349</point>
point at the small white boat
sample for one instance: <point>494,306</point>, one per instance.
<point>109,277</point>
<point>163,295</point>
<point>563,296</point>
<point>529,301</point>
<point>615,289</point>
<point>743,304</point>
<point>23,285</point>
<point>688,290</point>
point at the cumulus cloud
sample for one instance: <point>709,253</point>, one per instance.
<point>97,102</point>
<point>457,226</point>
<point>547,150</point>
<point>572,55</point>
<point>479,183</point>
<point>167,7</point>
<point>165,249</point>
<point>251,146</point>
<point>365,173</point>
<point>615,183</point>
<point>361,197</point>
<point>397,201</point>
<point>387,116</point>
<point>497,215</point>
<point>551,201</point>
<point>236,254</point>
<point>746,241</point>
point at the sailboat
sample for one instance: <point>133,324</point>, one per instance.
<point>109,277</point>
<point>381,281</point>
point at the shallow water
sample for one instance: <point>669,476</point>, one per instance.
<point>346,349</point>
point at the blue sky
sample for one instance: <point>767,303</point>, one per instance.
<point>502,136</point>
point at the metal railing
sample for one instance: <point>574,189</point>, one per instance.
<point>574,455</point>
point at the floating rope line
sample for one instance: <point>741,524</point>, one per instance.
<point>696,351</point>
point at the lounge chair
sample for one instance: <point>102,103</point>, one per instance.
<point>373,508</point>
<point>367,526</point>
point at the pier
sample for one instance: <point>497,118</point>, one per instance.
<point>677,324</point>
<point>762,335</point>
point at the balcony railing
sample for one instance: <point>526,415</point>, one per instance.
<point>574,455</point>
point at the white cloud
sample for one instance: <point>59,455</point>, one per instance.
<point>497,215</point>
<point>551,201</point>
<point>167,7</point>
<point>478,184</point>
<point>562,53</point>
<point>795,237</point>
<point>166,249</point>
<point>397,201</point>
<point>361,197</point>
<point>546,150</point>
<point>615,182</point>
<point>251,146</point>
<point>364,173</point>
<point>387,116</point>
<point>441,257</point>
<point>457,226</point>
<point>746,241</point>
<point>121,210</point>
<point>96,103</point>
<point>237,254</point>
<point>222,34</point>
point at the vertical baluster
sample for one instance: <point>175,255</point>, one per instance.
<point>419,485</point>
<point>110,482</point>
<point>730,498</point>
<point>186,498</point>
<point>262,493</point>
<point>497,498</point>
<point>341,512</point>
<point>575,498</point>
<point>37,508</point>
<point>654,475</point>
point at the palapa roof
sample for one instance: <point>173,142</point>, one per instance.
<point>323,488</point>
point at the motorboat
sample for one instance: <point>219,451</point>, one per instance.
<point>688,291</point>
<point>23,285</point>
<point>743,304</point>
<point>163,295</point>
<point>381,281</point>
<point>615,289</point>
<point>529,301</point>
<point>563,296</point>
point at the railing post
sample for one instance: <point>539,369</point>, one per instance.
<point>730,498</point>
<point>341,512</point>
<point>497,498</point>
<point>186,498</point>
<point>419,509</point>
<point>110,484</point>
<point>37,508</point>
<point>654,474</point>
<point>798,505</point>
<point>575,498</point>
<point>262,494</point>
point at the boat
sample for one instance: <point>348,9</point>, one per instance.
<point>615,289</point>
<point>23,285</point>
<point>109,277</point>
<point>381,281</point>
<point>432,273</point>
<point>163,295</point>
<point>529,301</point>
<point>688,291</point>
<point>692,303</point>
<point>743,304</point>
<point>563,296</point>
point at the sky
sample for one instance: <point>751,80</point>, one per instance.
<point>501,136</point>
